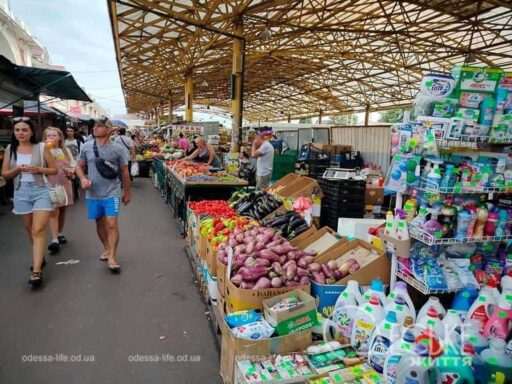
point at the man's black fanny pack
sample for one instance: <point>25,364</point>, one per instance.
<point>104,167</point>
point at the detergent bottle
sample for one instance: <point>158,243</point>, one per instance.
<point>390,228</point>
<point>397,350</point>
<point>434,176</point>
<point>463,300</point>
<point>368,316</point>
<point>447,180</point>
<point>401,290</point>
<point>386,333</point>
<point>481,308</point>
<point>498,324</point>
<point>464,219</point>
<point>452,367</point>
<point>433,322</point>
<point>477,365</point>
<point>502,225</point>
<point>506,287</point>
<point>376,289</point>
<point>498,365</point>
<point>432,302</point>
<point>471,225</point>
<point>452,326</point>
<point>447,219</point>
<point>471,334</point>
<point>490,224</point>
<point>415,368</point>
<point>345,308</point>
<point>421,218</point>
<point>481,217</point>
<point>400,308</point>
<point>509,344</point>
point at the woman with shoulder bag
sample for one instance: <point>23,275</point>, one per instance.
<point>28,163</point>
<point>54,140</point>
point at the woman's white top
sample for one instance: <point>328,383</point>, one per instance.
<point>25,159</point>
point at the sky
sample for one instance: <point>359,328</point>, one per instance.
<point>77,35</point>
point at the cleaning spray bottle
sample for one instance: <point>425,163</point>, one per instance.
<point>481,308</point>
<point>433,226</point>
<point>447,219</point>
<point>434,176</point>
<point>401,290</point>
<point>397,350</point>
<point>346,308</point>
<point>421,218</point>
<point>376,289</point>
<point>448,179</point>
<point>386,333</point>
<point>498,365</point>
<point>367,317</point>
<point>410,207</point>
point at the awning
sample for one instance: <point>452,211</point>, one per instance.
<point>30,109</point>
<point>19,82</point>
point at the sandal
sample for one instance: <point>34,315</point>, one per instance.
<point>42,265</point>
<point>36,279</point>
<point>104,256</point>
<point>115,268</point>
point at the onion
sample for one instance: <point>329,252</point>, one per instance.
<point>237,279</point>
<point>309,259</point>
<point>311,253</point>
<point>240,238</point>
<point>222,246</point>
<point>337,274</point>
<point>314,267</point>
<point>282,259</point>
<point>291,255</point>
<point>238,231</point>
<point>276,282</point>
<point>304,280</point>
<point>246,285</point>
<point>332,264</point>
<point>259,246</point>
<point>232,243</point>
<point>302,263</point>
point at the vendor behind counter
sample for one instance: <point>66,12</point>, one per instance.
<point>204,154</point>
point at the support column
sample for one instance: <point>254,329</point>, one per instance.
<point>189,98</point>
<point>157,116</point>
<point>170,110</point>
<point>289,118</point>
<point>367,115</point>
<point>237,87</point>
<point>320,115</point>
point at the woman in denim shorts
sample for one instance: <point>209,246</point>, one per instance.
<point>28,163</point>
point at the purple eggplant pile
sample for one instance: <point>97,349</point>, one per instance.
<point>289,224</point>
<point>262,259</point>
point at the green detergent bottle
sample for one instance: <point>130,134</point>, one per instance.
<point>452,367</point>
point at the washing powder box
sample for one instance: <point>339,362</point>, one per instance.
<point>439,125</point>
<point>468,113</point>
<point>478,79</point>
<point>294,319</point>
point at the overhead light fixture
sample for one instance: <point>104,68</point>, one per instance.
<point>204,83</point>
<point>266,35</point>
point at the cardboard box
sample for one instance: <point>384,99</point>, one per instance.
<point>202,244</point>
<point>211,259</point>
<point>378,268</point>
<point>221,277</point>
<point>373,195</point>
<point>341,148</point>
<point>238,299</point>
<point>294,319</point>
<point>221,304</point>
<point>240,378</point>
<point>309,189</point>
<point>284,181</point>
<point>319,241</point>
<point>233,349</point>
<point>303,236</point>
<point>400,248</point>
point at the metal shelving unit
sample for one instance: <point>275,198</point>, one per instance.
<point>419,234</point>
<point>460,189</point>
<point>410,278</point>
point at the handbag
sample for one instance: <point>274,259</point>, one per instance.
<point>105,168</point>
<point>58,194</point>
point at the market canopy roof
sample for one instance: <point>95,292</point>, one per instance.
<point>19,82</point>
<point>302,56</point>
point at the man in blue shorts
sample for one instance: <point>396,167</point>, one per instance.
<point>103,187</point>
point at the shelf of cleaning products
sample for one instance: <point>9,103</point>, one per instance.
<point>462,139</point>
<point>419,234</point>
<point>465,188</point>
<point>409,277</point>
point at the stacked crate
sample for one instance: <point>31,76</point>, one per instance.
<point>342,198</point>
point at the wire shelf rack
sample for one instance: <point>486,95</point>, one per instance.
<point>419,234</point>
<point>414,281</point>
<point>460,188</point>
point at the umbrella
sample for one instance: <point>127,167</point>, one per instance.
<point>119,123</point>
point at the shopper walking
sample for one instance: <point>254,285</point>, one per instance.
<point>28,163</point>
<point>263,151</point>
<point>103,188</point>
<point>128,147</point>
<point>73,143</point>
<point>54,139</point>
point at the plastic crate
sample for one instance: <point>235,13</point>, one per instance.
<point>282,165</point>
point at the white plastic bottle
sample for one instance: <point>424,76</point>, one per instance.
<point>400,307</point>
<point>390,228</point>
<point>498,363</point>
<point>398,349</point>
<point>481,308</point>
<point>432,302</point>
<point>506,287</point>
<point>346,308</point>
<point>368,315</point>
<point>401,290</point>
<point>471,333</point>
<point>376,289</point>
<point>415,368</point>
<point>386,333</point>
<point>432,321</point>
<point>452,326</point>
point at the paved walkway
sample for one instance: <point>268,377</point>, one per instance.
<point>152,310</point>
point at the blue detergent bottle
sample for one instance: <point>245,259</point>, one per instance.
<point>452,367</point>
<point>502,225</point>
<point>464,299</point>
<point>464,219</point>
<point>447,180</point>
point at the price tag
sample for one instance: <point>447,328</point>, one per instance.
<point>229,252</point>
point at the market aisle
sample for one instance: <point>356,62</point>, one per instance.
<point>83,309</point>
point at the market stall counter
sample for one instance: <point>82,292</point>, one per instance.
<point>183,187</point>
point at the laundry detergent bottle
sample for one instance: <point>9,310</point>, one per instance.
<point>368,316</point>
<point>400,308</point>
<point>397,350</point>
<point>498,324</point>
<point>452,367</point>
<point>346,308</point>
<point>498,365</point>
<point>401,290</point>
<point>432,302</point>
<point>463,300</point>
<point>432,321</point>
<point>415,368</point>
<point>481,308</point>
<point>471,333</point>
<point>386,333</point>
<point>376,289</point>
<point>452,326</point>
<point>506,287</point>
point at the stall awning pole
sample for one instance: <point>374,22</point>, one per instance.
<point>367,115</point>
<point>189,98</point>
<point>237,87</point>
